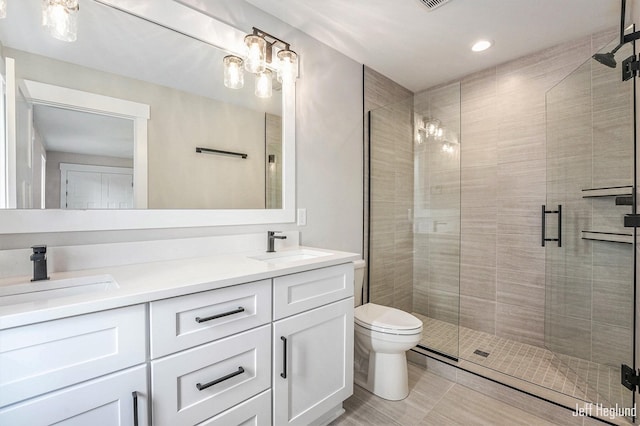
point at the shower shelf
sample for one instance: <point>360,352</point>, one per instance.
<point>612,237</point>
<point>607,192</point>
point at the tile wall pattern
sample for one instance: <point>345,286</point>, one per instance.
<point>590,283</point>
<point>391,242</point>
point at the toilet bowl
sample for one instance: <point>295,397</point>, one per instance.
<point>382,337</point>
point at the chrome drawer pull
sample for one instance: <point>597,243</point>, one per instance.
<point>224,314</point>
<point>220,380</point>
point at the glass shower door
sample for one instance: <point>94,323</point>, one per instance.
<point>414,210</point>
<point>589,254</point>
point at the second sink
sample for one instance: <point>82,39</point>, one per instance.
<point>43,290</point>
<point>290,256</point>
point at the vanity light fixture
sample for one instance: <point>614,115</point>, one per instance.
<point>3,9</point>
<point>60,17</point>
<point>261,49</point>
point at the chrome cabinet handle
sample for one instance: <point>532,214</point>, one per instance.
<point>220,380</point>
<point>135,408</point>
<point>284,357</point>
<point>224,314</point>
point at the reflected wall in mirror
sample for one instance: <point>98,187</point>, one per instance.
<point>86,156</point>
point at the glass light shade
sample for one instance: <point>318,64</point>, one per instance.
<point>264,84</point>
<point>233,72</point>
<point>256,54</point>
<point>60,17</point>
<point>288,67</point>
<point>3,9</point>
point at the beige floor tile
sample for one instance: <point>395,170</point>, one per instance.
<point>463,406</point>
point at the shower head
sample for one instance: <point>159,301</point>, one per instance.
<point>607,59</point>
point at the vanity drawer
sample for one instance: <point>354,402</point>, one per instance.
<point>39,358</point>
<point>254,412</point>
<point>297,293</point>
<point>187,321</point>
<point>240,364</point>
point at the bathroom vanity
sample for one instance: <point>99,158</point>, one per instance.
<point>216,340</point>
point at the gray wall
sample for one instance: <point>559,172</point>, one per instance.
<point>328,141</point>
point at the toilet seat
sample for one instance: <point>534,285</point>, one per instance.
<point>384,319</point>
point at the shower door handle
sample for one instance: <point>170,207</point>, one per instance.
<point>545,212</point>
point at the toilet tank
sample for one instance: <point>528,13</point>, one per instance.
<point>358,280</point>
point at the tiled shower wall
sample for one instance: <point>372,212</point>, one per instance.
<point>589,285</point>
<point>390,251</point>
<point>503,185</point>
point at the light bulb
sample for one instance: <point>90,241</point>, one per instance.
<point>60,17</point>
<point>288,69</point>
<point>264,84</point>
<point>233,72</point>
<point>256,54</point>
<point>3,9</point>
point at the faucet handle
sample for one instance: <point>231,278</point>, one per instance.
<point>39,249</point>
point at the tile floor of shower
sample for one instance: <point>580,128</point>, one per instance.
<point>585,380</point>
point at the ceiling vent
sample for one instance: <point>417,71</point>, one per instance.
<point>433,4</point>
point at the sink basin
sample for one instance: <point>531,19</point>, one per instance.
<point>290,256</point>
<point>45,290</point>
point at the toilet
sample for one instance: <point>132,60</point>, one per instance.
<point>382,337</point>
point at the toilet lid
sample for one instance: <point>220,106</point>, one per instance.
<point>386,319</point>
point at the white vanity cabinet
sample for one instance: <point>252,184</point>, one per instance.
<point>313,345</point>
<point>278,351</point>
<point>48,370</point>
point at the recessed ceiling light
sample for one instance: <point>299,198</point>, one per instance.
<point>481,45</point>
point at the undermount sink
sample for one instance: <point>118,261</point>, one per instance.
<point>44,290</point>
<point>290,256</point>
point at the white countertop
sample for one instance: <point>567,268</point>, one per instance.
<point>145,282</point>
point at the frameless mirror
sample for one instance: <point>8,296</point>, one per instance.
<point>131,126</point>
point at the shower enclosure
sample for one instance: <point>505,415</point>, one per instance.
<point>512,253</point>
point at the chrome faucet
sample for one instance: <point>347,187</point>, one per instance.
<point>271,238</point>
<point>39,259</point>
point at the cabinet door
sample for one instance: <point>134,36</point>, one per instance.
<point>108,401</point>
<point>312,363</point>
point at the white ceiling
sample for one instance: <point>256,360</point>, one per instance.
<point>419,48</point>
<point>65,130</point>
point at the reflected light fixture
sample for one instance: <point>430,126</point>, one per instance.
<point>261,50</point>
<point>60,17</point>
<point>233,72</point>
<point>3,9</point>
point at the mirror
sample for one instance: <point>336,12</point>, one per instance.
<point>83,155</point>
<point>174,169</point>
